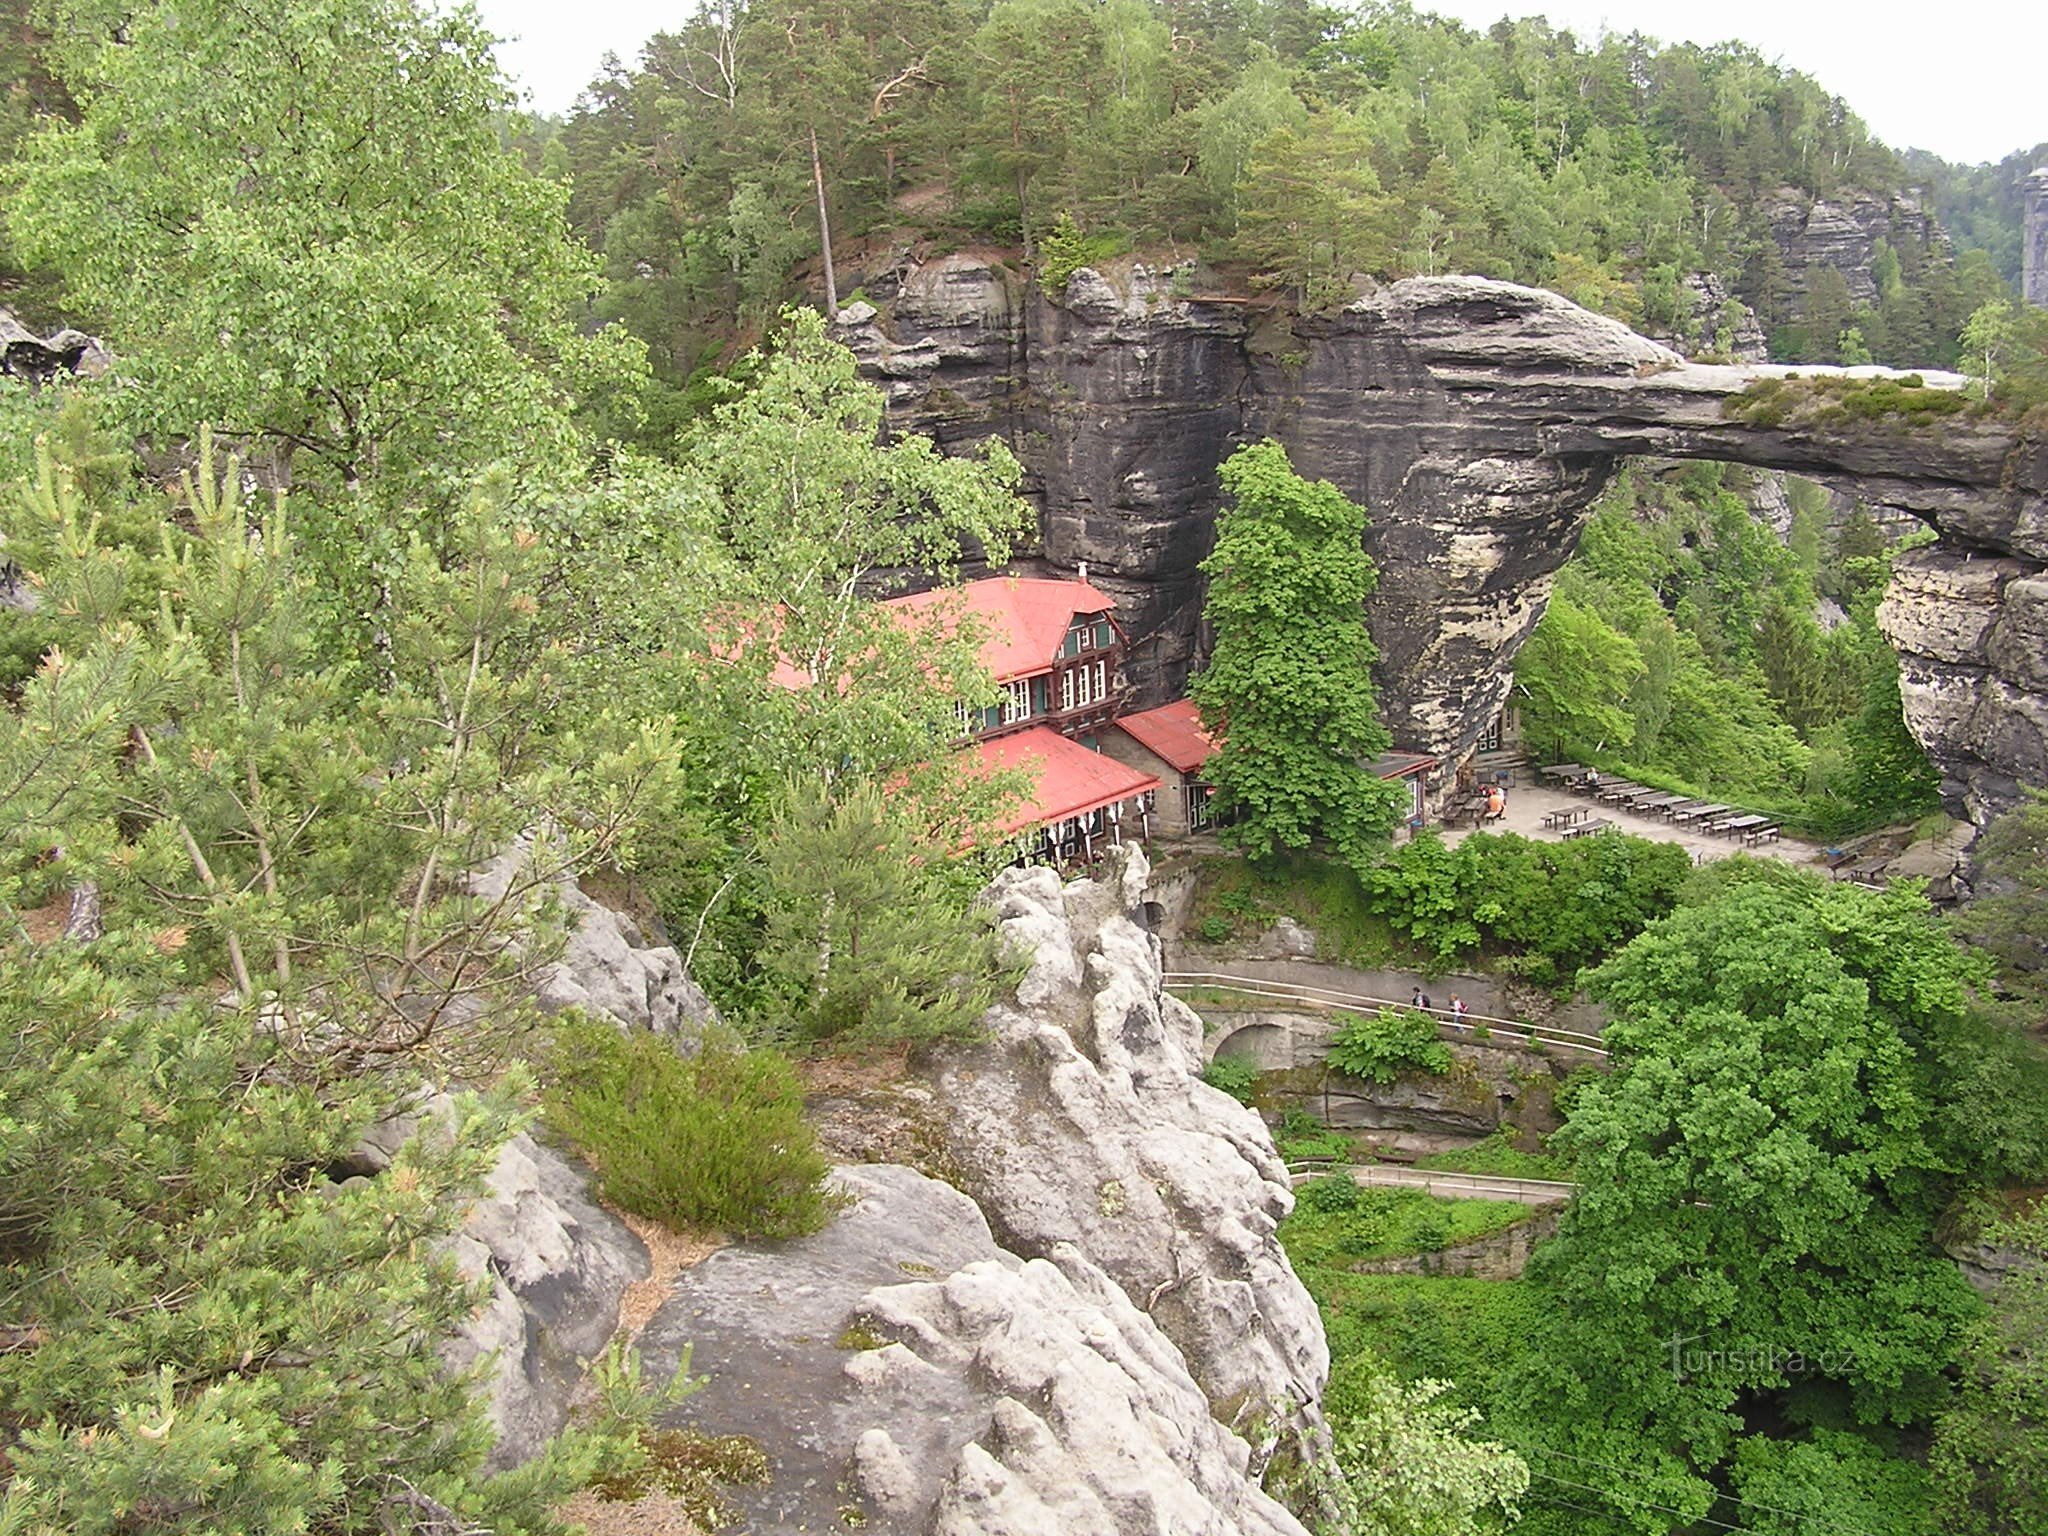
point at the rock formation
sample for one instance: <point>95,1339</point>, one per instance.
<point>1477,421</point>
<point>1083,1123</point>
<point>907,1375</point>
<point>38,359</point>
<point>1843,234</point>
<point>2034,238</point>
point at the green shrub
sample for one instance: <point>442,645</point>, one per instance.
<point>1332,1194</point>
<point>1380,1047</point>
<point>1063,250</point>
<point>1302,1138</point>
<point>1216,929</point>
<point>714,1140</point>
<point>1235,1075</point>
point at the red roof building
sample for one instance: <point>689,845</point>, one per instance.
<point>1078,796</point>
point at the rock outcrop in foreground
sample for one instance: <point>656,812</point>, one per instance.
<point>1084,1122</point>
<point>906,1374</point>
<point>1477,421</point>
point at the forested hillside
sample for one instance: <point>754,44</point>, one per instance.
<point>1287,143</point>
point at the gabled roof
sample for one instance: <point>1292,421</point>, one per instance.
<point>1024,618</point>
<point>1068,779</point>
<point>1172,732</point>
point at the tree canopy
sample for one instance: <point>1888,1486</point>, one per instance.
<point>1289,681</point>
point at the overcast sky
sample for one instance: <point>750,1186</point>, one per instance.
<point>1966,79</point>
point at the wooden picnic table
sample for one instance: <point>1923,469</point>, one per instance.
<point>1697,810</point>
<point>1563,771</point>
<point>1620,789</point>
<point>1729,826</point>
<point>1597,824</point>
<point>1756,837</point>
<point>1565,815</point>
<point>1658,802</point>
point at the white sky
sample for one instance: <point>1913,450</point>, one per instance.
<point>1966,79</point>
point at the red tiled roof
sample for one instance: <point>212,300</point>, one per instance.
<point>1173,732</point>
<point>1069,780</point>
<point>1025,618</point>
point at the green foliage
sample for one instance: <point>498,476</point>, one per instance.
<point>1741,696</point>
<point>1301,1137</point>
<point>1380,1047</point>
<point>1237,1076</point>
<point>1408,1465</point>
<point>2009,918</point>
<point>1990,1457</point>
<point>300,224</point>
<point>1828,1478</point>
<point>714,1140</point>
<point>1761,1175</point>
<point>1567,903</point>
<point>1835,400</point>
<point>1298,144</point>
<point>1497,1154</point>
<point>1336,1223</point>
<point>1289,682</point>
<point>1064,250</point>
<point>872,931</point>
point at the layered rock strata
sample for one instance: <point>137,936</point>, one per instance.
<point>1477,421</point>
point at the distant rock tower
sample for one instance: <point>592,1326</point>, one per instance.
<point>2034,281</point>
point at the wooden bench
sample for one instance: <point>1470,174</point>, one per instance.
<point>1565,815</point>
<point>1597,824</point>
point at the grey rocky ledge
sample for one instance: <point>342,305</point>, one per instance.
<point>1477,420</point>
<point>906,1374</point>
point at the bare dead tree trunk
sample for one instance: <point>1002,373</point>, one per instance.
<point>824,231</point>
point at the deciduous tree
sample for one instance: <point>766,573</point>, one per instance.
<point>1289,684</point>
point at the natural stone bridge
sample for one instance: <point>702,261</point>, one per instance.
<point>1477,421</point>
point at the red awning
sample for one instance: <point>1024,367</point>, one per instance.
<point>1068,779</point>
<point>1174,733</point>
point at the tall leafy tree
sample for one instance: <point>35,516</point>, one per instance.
<point>298,223</point>
<point>1289,683</point>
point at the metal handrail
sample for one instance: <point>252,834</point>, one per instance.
<point>1329,997</point>
<point>1423,1178</point>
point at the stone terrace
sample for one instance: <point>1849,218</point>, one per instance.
<point>1528,803</point>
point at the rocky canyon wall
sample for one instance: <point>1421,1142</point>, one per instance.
<point>1477,421</point>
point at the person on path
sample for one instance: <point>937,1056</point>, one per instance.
<point>1457,1008</point>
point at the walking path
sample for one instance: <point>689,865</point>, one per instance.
<point>1469,1026</point>
<point>1453,1186</point>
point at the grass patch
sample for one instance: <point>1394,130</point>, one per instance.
<point>1330,1231</point>
<point>1830,400</point>
<point>1235,899</point>
<point>691,1467</point>
<point>1471,1332</point>
<point>716,1140</point>
<point>1499,1156</point>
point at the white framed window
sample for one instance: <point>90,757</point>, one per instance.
<point>1087,634</point>
<point>1067,689</point>
<point>964,717</point>
<point>1017,701</point>
<point>1101,680</point>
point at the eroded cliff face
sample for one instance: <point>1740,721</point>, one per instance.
<point>1476,420</point>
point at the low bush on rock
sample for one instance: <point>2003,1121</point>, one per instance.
<point>1235,1075</point>
<point>1380,1047</point>
<point>713,1140</point>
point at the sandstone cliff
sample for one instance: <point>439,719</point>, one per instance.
<point>1477,421</point>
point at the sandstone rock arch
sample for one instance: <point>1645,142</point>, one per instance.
<point>1477,420</point>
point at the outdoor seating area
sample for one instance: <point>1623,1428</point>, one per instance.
<point>1705,816</point>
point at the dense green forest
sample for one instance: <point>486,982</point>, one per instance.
<point>1285,142</point>
<point>1685,642</point>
